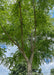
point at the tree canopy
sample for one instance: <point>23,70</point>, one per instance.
<point>27,25</point>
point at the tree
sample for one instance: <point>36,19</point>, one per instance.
<point>26,24</point>
<point>52,71</point>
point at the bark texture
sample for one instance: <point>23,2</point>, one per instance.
<point>29,68</point>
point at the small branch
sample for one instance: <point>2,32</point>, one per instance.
<point>31,43</point>
<point>23,53</point>
<point>8,35</point>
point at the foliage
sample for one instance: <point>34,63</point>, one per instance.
<point>22,69</point>
<point>17,69</point>
<point>21,22</point>
<point>2,53</point>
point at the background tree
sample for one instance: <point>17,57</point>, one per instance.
<point>19,69</point>
<point>26,24</point>
<point>52,71</point>
<point>2,52</point>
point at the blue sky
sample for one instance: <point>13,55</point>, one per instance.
<point>51,12</point>
<point>45,67</point>
<point>3,70</point>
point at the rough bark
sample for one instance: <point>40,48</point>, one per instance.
<point>29,68</point>
<point>32,48</point>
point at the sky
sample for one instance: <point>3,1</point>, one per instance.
<point>3,70</point>
<point>45,67</point>
<point>51,12</point>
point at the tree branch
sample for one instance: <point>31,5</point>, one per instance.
<point>21,22</point>
<point>23,53</point>
<point>32,48</point>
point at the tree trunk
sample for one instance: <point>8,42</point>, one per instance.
<point>29,68</point>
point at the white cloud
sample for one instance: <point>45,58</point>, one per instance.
<point>46,68</point>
